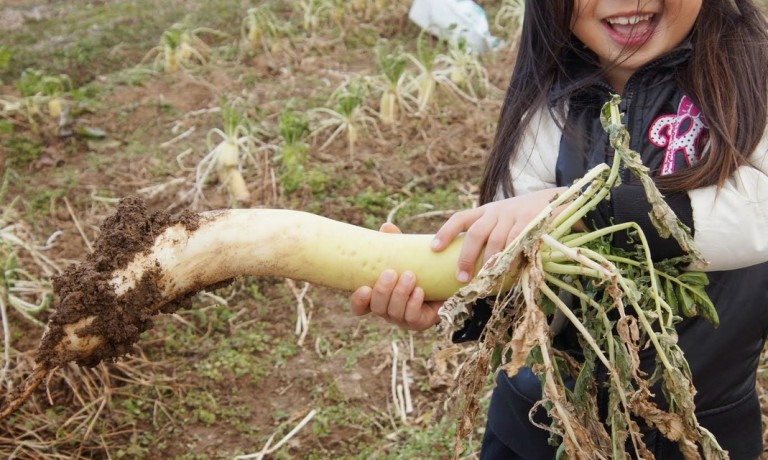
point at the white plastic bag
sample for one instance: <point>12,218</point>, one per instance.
<point>454,19</point>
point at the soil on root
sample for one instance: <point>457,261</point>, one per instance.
<point>85,290</point>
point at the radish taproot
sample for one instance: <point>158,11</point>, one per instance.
<point>145,264</point>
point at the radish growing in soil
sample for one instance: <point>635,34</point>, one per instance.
<point>39,91</point>
<point>435,70</point>
<point>313,13</point>
<point>260,28</point>
<point>226,156</point>
<point>348,118</point>
<point>181,47</point>
<point>509,18</point>
<point>392,67</point>
<point>50,88</point>
<point>465,68</point>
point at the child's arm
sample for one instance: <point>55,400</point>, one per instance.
<point>731,223</point>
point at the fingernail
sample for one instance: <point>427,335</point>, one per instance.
<point>364,293</point>
<point>406,277</point>
<point>463,276</point>
<point>435,243</point>
<point>388,275</point>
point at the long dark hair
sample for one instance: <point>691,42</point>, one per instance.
<point>725,76</point>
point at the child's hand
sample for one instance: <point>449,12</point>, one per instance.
<point>396,298</point>
<point>493,226</point>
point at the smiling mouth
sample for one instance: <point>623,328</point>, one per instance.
<point>631,30</point>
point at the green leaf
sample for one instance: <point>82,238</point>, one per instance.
<point>695,282</point>
<point>694,278</point>
<point>586,379</point>
<point>686,302</point>
<point>670,296</point>
<point>691,296</point>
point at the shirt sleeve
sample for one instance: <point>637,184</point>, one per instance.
<point>533,168</point>
<point>732,221</point>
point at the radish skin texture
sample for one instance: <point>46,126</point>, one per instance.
<point>288,244</point>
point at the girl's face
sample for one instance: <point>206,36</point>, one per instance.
<point>626,34</point>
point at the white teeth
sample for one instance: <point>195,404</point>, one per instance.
<point>629,20</point>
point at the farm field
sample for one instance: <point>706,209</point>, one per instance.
<point>299,85</point>
<point>338,108</point>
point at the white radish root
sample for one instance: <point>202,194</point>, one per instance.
<point>146,264</point>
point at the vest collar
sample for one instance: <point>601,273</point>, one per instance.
<point>581,70</point>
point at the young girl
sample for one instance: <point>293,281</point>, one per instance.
<point>692,76</point>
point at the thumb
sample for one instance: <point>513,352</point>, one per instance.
<point>388,227</point>
<point>360,301</point>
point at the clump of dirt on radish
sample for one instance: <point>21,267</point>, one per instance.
<point>84,290</point>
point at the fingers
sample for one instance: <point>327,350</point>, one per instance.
<point>486,234</point>
<point>420,315</point>
<point>414,312</point>
<point>401,296</point>
<point>429,315</point>
<point>488,230</point>
<point>500,237</point>
<point>388,227</point>
<point>475,240</point>
<point>407,308</point>
<point>514,233</point>
<point>382,292</point>
<point>360,301</point>
<point>398,300</point>
<point>457,223</point>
